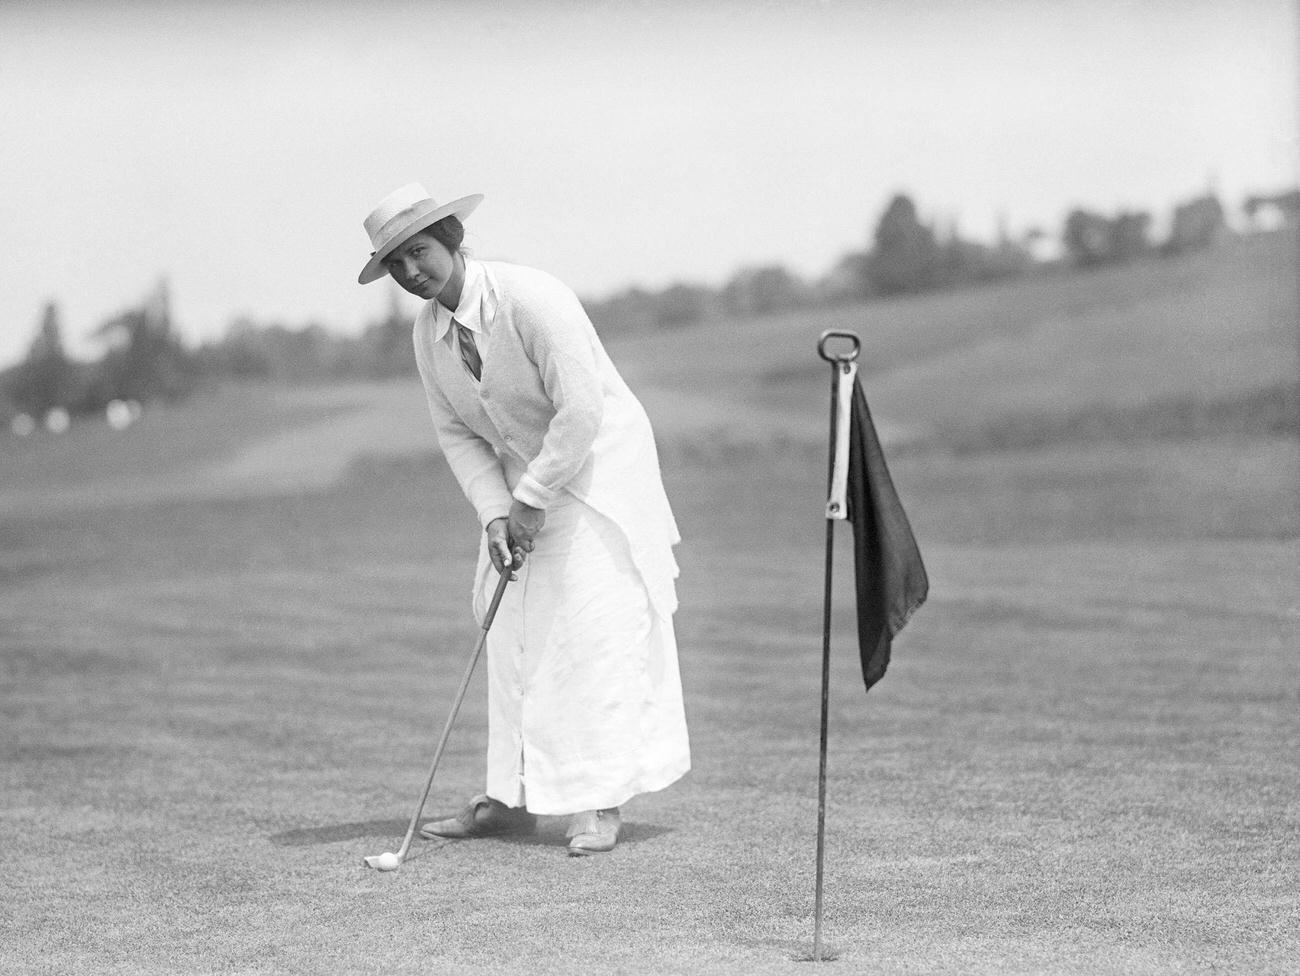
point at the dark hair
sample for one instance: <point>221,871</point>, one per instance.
<point>449,232</point>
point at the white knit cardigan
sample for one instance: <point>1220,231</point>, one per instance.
<point>551,415</point>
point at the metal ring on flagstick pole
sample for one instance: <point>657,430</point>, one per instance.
<point>845,357</point>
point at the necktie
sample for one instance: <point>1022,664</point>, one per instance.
<point>469,352</point>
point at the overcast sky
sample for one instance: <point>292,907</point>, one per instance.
<point>236,147</point>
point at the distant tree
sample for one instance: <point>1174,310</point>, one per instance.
<point>681,304</point>
<point>630,310</point>
<point>1011,258</point>
<point>282,354</point>
<point>967,262</point>
<point>145,359</point>
<point>1041,247</point>
<point>386,344</point>
<point>906,256</point>
<point>1128,236</point>
<point>1197,223</point>
<point>1272,209</point>
<point>762,290</point>
<point>847,281</point>
<point>242,353</point>
<point>47,378</point>
<point>1087,238</point>
<point>1091,239</point>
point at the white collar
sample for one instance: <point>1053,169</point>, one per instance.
<point>476,306</point>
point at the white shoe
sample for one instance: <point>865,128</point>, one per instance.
<point>594,832</point>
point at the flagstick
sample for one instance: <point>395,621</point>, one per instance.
<point>841,372</point>
<point>821,765</point>
<point>826,682</point>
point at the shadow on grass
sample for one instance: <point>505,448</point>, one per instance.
<point>551,831</point>
<point>307,836</point>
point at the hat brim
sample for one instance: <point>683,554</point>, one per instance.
<point>462,208</point>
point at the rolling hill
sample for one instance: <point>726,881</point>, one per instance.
<point>1088,376</point>
<point>1131,344</point>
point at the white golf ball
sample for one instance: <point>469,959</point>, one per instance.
<point>387,861</point>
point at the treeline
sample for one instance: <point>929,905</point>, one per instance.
<point>279,353</point>
<point>145,360</point>
<point>906,255</point>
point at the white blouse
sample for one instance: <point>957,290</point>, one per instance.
<point>550,415</point>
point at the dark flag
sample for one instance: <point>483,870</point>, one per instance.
<point>889,576</point>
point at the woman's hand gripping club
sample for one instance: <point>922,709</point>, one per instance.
<point>511,539</point>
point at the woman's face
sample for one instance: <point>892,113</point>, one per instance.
<point>421,265</point>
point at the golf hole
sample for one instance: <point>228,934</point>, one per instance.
<point>829,954</point>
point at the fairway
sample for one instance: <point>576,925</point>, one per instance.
<point>229,637</point>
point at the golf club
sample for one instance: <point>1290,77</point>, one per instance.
<point>388,861</point>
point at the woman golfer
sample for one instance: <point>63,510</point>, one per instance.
<point>558,459</point>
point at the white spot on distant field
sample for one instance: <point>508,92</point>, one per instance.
<point>22,425</point>
<point>118,414</point>
<point>57,420</point>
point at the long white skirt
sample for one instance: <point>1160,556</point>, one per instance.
<point>584,693</point>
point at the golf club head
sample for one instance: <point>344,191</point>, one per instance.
<point>387,861</point>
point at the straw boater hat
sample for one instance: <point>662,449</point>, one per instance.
<point>402,213</point>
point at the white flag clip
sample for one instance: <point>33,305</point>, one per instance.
<point>837,505</point>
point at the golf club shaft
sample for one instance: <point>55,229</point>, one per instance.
<point>455,708</point>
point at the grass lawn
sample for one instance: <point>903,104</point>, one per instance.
<point>227,647</point>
